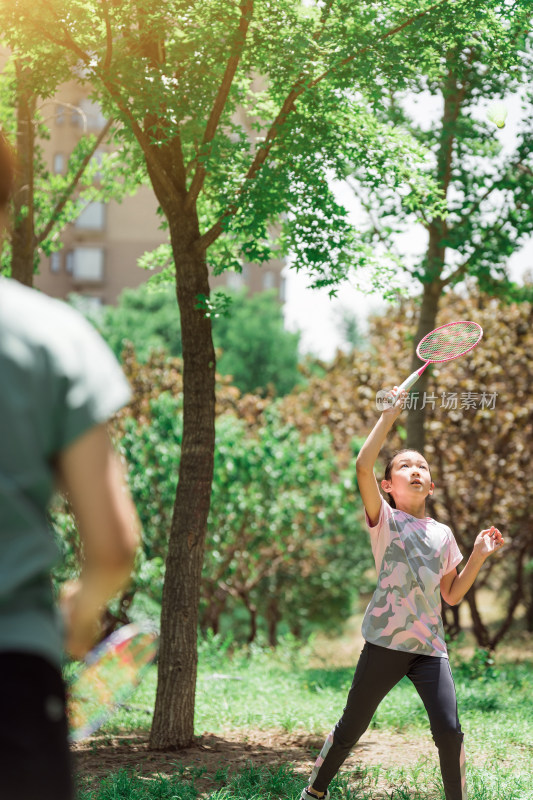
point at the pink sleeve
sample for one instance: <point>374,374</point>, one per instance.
<point>385,514</point>
<point>452,555</point>
<point>380,533</point>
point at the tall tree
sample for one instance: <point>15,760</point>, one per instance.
<point>43,202</point>
<point>306,76</point>
<point>487,183</point>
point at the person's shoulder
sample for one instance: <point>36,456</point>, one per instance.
<point>386,511</point>
<point>38,319</point>
<point>14,296</point>
<point>443,529</point>
<point>383,515</point>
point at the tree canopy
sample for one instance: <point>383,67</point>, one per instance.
<point>484,173</point>
<point>46,201</point>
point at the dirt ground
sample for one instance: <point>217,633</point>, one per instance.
<point>99,756</point>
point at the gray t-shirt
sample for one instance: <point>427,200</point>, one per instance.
<point>58,379</point>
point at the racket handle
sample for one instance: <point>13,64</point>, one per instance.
<point>408,382</point>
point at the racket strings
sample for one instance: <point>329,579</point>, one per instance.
<point>108,682</point>
<point>449,341</point>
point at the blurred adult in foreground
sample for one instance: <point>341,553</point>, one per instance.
<point>59,385</point>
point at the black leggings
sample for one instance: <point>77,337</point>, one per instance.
<point>34,753</point>
<point>378,670</point>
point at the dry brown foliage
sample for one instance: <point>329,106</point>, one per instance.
<point>480,456</point>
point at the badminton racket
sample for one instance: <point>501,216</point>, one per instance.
<point>444,344</point>
<point>108,676</point>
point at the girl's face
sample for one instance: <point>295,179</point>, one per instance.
<point>410,480</point>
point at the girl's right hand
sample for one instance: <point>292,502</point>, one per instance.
<point>397,403</point>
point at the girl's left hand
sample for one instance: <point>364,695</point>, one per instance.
<point>488,542</point>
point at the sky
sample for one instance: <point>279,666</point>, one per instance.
<point>317,316</point>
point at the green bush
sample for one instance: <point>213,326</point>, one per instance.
<point>254,347</point>
<point>257,351</point>
<point>285,547</point>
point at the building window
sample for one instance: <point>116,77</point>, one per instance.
<point>69,262</point>
<point>234,280</point>
<point>96,164</point>
<point>269,280</point>
<point>88,303</point>
<point>92,218</point>
<point>60,114</point>
<point>88,264</point>
<point>59,163</point>
<point>88,115</point>
<point>283,290</point>
<point>55,262</point>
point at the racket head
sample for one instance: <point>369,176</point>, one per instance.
<point>109,675</point>
<point>449,341</point>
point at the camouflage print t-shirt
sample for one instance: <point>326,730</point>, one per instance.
<point>411,555</point>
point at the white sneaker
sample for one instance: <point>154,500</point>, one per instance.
<point>305,795</point>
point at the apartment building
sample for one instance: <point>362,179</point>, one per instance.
<point>101,249</point>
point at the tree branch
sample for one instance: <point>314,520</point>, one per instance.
<point>260,157</point>
<point>70,43</point>
<point>460,272</point>
<point>496,184</point>
<point>381,38</point>
<point>448,501</point>
<point>109,36</point>
<point>453,99</point>
<point>376,228</point>
<point>462,269</point>
<point>61,203</point>
<point>299,87</point>
<point>247,8</point>
<point>326,11</point>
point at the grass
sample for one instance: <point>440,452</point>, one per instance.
<point>261,690</point>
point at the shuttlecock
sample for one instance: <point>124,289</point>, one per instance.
<point>497,113</point>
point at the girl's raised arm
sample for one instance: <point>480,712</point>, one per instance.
<point>368,485</point>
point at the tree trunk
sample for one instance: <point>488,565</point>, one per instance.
<point>453,93</point>
<point>416,437</point>
<point>173,723</point>
<point>252,610</point>
<point>273,617</point>
<point>296,629</point>
<point>216,604</point>
<point>451,627</point>
<point>516,597</point>
<point>529,605</point>
<point>23,233</point>
<point>480,630</point>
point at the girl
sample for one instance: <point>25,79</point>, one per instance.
<point>416,561</point>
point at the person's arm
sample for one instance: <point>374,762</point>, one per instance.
<point>453,586</point>
<point>91,474</point>
<point>364,465</point>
